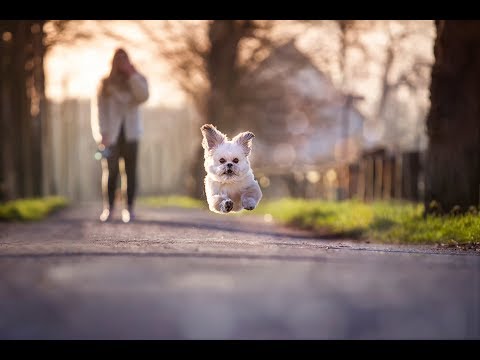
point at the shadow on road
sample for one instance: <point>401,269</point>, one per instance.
<point>237,227</point>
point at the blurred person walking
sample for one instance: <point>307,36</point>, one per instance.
<point>119,127</point>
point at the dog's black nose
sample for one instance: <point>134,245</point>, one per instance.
<point>229,165</point>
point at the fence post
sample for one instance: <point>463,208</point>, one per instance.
<point>362,178</point>
<point>353,179</point>
<point>388,176</point>
<point>398,193</point>
<point>410,174</point>
<point>378,176</point>
<point>369,178</point>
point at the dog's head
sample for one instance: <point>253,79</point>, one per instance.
<point>226,160</point>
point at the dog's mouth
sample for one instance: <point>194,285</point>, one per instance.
<point>229,172</point>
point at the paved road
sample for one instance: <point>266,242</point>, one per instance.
<point>189,274</point>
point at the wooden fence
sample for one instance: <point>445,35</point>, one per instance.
<point>165,151</point>
<point>377,175</point>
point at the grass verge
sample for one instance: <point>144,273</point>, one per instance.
<point>389,222</point>
<point>30,209</point>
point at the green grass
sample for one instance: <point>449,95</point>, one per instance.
<point>379,221</point>
<point>30,209</point>
<point>390,222</point>
<point>172,201</point>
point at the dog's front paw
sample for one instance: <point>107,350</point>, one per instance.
<point>249,203</point>
<point>226,206</point>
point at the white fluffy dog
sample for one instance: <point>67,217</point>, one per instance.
<point>229,185</point>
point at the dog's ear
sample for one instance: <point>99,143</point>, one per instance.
<point>245,140</point>
<point>211,137</point>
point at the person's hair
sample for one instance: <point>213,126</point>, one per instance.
<point>117,52</point>
<point>113,77</point>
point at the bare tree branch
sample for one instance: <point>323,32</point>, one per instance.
<point>61,31</point>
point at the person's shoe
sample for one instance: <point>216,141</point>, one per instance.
<point>132,215</point>
<point>126,216</point>
<point>106,215</point>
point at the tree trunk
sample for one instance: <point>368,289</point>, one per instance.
<point>453,123</point>
<point>8,173</point>
<point>35,96</point>
<point>22,113</point>
<point>224,36</point>
<point>21,101</point>
<point>386,86</point>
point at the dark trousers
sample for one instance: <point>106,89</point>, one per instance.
<point>127,151</point>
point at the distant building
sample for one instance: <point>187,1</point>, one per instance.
<point>298,115</point>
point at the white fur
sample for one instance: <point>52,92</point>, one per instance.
<point>235,191</point>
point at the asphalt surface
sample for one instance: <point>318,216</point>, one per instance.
<point>192,274</point>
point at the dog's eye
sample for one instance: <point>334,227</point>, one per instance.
<point>222,160</point>
<point>235,161</point>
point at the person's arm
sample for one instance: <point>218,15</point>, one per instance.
<point>139,85</point>
<point>103,119</point>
